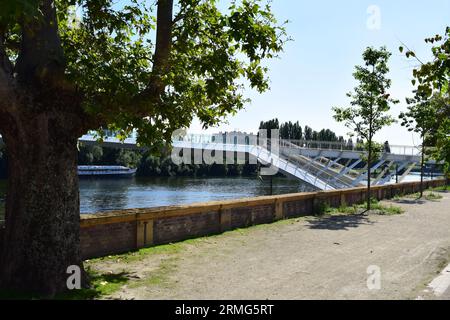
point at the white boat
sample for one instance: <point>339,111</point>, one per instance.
<point>105,171</point>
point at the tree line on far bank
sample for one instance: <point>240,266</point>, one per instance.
<point>293,131</point>
<point>150,165</point>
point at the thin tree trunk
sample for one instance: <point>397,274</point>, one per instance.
<point>369,161</point>
<point>42,208</point>
<point>422,163</point>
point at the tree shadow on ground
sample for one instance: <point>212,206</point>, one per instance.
<point>100,285</point>
<point>410,201</point>
<point>441,191</point>
<point>344,222</point>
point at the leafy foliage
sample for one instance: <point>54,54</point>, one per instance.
<point>429,111</point>
<point>109,50</point>
<point>293,130</point>
<point>421,118</point>
<point>289,130</point>
<point>370,100</point>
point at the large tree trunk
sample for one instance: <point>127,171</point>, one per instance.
<point>42,207</point>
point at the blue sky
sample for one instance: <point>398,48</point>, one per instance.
<point>315,71</point>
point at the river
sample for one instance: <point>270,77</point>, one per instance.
<point>98,195</point>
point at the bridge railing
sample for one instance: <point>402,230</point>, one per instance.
<point>250,139</point>
<point>307,144</point>
<point>341,146</point>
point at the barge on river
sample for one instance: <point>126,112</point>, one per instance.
<point>105,171</point>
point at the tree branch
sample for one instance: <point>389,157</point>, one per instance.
<point>180,16</point>
<point>151,96</point>
<point>413,53</point>
<point>163,42</point>
<point>183,12</point>
<point>41,58</point>
<point>144,103</point>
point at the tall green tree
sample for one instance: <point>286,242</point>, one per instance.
<point>289,130</point>
<point>132,65</point>
<point>421,118</point>
<point>370,103</point>
<point>308,133</point>
<point>271,124</point>
<point>433,91</point>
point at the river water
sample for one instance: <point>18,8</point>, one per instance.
<point>111,194</point>
<point>100,194</point>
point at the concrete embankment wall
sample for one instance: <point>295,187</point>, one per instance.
<point>126,230</point>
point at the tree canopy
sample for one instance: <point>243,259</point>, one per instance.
<point>134,71</point>
<point>370,100</point>
<point>429,110</point>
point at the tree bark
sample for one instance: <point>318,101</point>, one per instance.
<point>369,162</point>
<point>422,163</point>
<point>42,205</point>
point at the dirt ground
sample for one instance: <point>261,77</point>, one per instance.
<point>306,258</point>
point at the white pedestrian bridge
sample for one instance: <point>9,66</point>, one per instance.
<point>324,165</point>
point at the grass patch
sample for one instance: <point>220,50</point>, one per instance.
<point>325,209</point>
<point>433,196</point>
<point>427,195</point>
<point>389,210</point>
<point>398,197</point>
<point>100,285</point>
<point>375,207</point>
<point>165,249</point>
<point>441,189</point>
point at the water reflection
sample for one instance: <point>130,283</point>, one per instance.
<point>109,194</point>
<point>103,194</point>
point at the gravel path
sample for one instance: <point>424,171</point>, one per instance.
<point>306,258</point>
